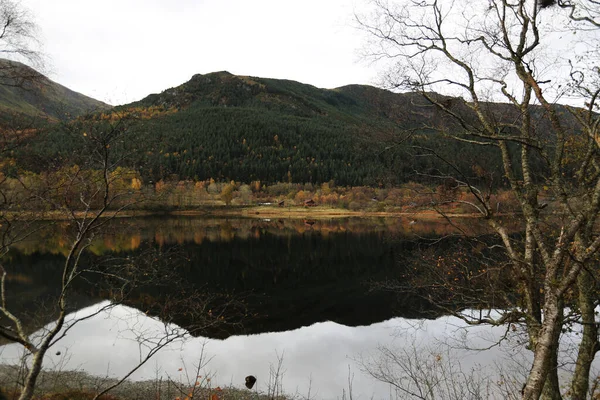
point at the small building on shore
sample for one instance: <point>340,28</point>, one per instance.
<point>310,203</point>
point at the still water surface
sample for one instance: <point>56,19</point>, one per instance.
<point>290,273</point>
<point>307,286</point>
<point>321,356</point>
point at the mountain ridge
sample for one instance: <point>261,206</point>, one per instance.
<point>231,127</point>
<point>26,92</point>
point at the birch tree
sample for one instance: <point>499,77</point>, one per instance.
<point>19,41</point>
<point>84,196</point>
<point>529,56</point>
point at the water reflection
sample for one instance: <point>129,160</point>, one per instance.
<point>128,234</point>
<point>305,286</point>
<point>321,355</point>
<point>290,273</point>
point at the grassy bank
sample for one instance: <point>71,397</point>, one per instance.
<point>77,385</point>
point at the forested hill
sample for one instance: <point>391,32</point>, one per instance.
<point>229,127</point>
<point>225,127</point>
<point>24,92</point>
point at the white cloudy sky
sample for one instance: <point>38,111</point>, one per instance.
<point>122,50</point>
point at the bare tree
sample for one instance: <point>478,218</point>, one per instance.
<point>85,194</point>
<point>510,51</point>
<point>19,43</point>
<point>415,372</point>
<point>96,189</point>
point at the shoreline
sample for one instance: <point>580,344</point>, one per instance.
<point>310,213</point>
<point>259,212</point>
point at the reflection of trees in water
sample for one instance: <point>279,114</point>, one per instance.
<point>287,279</point>
<point>127,234</point>
<point>460,273</point>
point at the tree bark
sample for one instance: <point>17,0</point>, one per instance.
<point>32,376</point>
<point>551,389</point>
<point>545,347</point>
<point>38,359</point>
<point>589,346</point>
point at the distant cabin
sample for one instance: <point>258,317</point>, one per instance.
<point>281,203</point>
<point>310,203</point>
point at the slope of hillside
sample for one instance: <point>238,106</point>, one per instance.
<point>24,91</point>
<point>241,128</point>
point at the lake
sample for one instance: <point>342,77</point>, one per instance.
<point>311,293</point>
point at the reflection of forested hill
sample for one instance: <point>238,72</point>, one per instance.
<point>302,279</point>
<point>289,274</point>
<point>32,287</point>
<point>288,277</point>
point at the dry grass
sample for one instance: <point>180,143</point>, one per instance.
<point>76,385</point>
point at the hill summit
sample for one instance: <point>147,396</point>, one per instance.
<point>230,127</point>
<point>244,128</point>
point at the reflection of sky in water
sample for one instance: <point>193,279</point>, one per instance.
<point>323,352</point>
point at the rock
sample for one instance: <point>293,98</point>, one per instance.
<point>250,381</point>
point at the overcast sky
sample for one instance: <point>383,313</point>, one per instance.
<point>121,51</point>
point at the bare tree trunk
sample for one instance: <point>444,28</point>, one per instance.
<point>40,353</point>
<point>545,347</point>
<point>38,358</point>
<point>589,346</point>
<point>32,376</point>
<point>417,35</point>
<point>531,289</point>
<point>551,389</point>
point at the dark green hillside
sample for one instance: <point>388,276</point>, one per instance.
<point>229,127</point>
<point>248,144</point>
<point>246,128</point>
<point>26,92</point>
<point>223,90</point>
